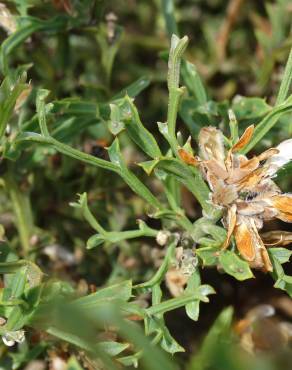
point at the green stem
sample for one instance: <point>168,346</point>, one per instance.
<point>74,153</point>
<point>174,100</point>
<point>114,237</point>
<point>87,214</point>
<point>177,49</point>
<point>184,222</point>
<point>160,273</point>
<point>172,304</point>
<point>197,184</point>
<point>14,302</point>
<point>132,234</point>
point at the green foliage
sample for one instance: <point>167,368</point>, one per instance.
<point>218,334</point>
<point>280,256</point>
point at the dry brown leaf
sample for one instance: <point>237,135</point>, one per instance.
<point>211,144</point>
<point>277,237</point>
<point>244,139</point>
<point>268,154</point>
<point>245,241</point>
<point>231,222</point>
<point>187,157</point>
<point>266,259</point>
<point>216,168</point>
<point>175,281</point>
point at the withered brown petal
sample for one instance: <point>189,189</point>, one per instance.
<point>188,158</point>
<point>251,246</point>
<point>267,154</point>
<point>212,180</point>
<point>224,194</point>
<point>216,168</point>
<point>231,221</point>
<point>229,160</point>
<point>211,144</point>
<point>245,241</point>
<point>244,139</point>
<point>277,237</point>
<point>246,168</point>
<point>268,267</point>
<point>252,179</point>
<point>247,208</point>
<point>283,204</point>
<point>250,164</point>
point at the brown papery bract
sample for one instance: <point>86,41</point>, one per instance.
<point>244,190</point>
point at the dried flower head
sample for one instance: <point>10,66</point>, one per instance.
<point>243,189</point>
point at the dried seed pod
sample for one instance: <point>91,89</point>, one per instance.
<point>188,262</point>
<point>162,237</point>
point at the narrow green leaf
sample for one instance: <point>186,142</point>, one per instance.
<point>219,332</point>
<point>135,184</point>
<point>281,254</point>
<point>181,301</point>
<point>155,324</point>
<point>137,132</point>
<point>113,348</point>
<point>95,240</point>
<point>71,338</point>
<point>282,281</point>
<point>177,48</point>
<point>235,266</point>
<point>9,92</point>
<point>134,89</point>
<point>114,237</point>
<point>193,82</point>
<point>193,308</point>
<point>66,150</point>
<point>191,178</point>
<point>149,166</point>
<point>116,125</point>
<point>208,255</point>
<point>286,81</point>
<point>28,27</point>
<point>121,291</point>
